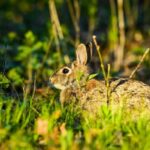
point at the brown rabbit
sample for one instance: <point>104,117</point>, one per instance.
<point>76,86</point>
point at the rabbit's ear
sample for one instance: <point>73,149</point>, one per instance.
<point>81,54</point>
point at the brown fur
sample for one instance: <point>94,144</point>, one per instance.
<point>91,94</point>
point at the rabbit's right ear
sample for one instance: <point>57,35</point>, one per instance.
<point>81,54</point>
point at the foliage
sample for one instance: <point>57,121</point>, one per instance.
<point>39,124</point>
<point>31,48</point>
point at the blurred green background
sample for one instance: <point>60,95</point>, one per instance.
<point>38,36</point>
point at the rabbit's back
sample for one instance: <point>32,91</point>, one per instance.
<point>130,93</point>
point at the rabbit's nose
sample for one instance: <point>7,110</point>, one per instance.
<point>51,79</point>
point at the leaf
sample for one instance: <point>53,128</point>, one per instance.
<point>30,37</point>
<point>3,79</point>
<point>37,46</point>
<point>92,76</point>
<point>79,75</point>
<point>15,76</point>
<point>24,52</point>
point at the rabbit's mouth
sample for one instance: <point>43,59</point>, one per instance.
<point>57,86</point>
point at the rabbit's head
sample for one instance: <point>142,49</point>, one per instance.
<point>72,74</point>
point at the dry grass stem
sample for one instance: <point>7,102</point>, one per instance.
<point>108,85</point>
<point>55,19</point>
<point>106,75</point>
<point>75,16</point>
<point>120,50</point>
<point>139,64</point>
<point>100,57</point>
<point>56,28</point>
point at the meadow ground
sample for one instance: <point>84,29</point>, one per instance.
<point>39,123</point>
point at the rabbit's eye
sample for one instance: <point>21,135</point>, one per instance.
<point>65,71</point>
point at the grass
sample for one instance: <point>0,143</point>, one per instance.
<point>40,123</point>
<point>37,121</point>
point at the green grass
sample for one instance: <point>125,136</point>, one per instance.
<point>41,123</point>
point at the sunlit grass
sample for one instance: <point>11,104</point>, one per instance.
<point>32,124</point>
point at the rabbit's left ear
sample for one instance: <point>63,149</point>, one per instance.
<point>81,54</point>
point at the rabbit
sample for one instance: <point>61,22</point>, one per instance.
<point>89,94</point>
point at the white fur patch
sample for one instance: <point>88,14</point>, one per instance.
<point>59,86</point>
